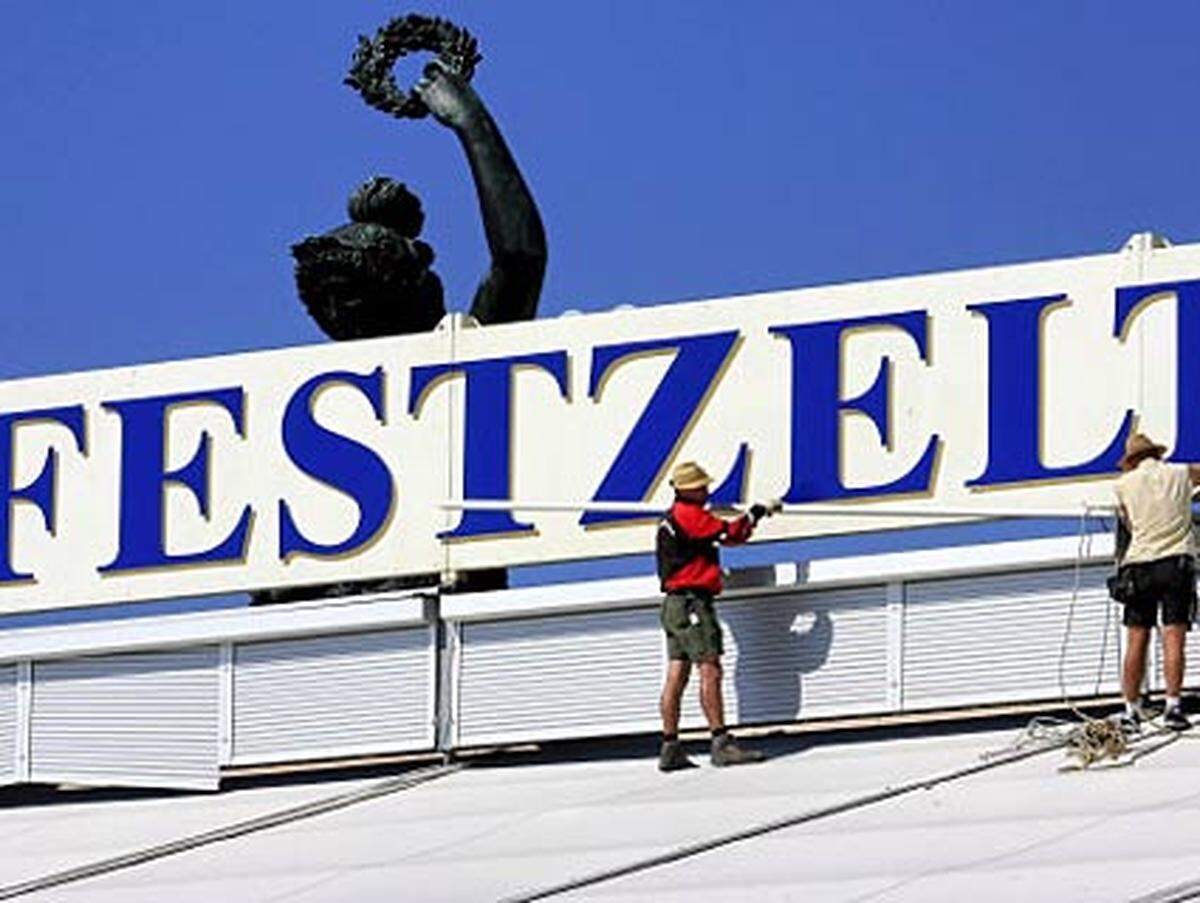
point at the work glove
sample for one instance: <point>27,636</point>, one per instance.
<point>759,510</point>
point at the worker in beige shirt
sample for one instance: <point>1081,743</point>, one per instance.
<point>1154,500</point>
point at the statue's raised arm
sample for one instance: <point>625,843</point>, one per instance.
<point>515,236</point>
<point>374,276</point>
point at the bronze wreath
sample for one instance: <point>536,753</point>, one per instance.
<point>371,69</point>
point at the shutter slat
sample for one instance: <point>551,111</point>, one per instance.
<point>998,637</point>
<point>801,655</point>
<point>133,719</point>
<point>326,696</point>
<point>8,724</point>
<point>786,656</point>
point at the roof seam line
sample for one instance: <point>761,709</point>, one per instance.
<point>811,815</point>
<point>229,832</point>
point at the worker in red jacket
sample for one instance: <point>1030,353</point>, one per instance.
<point>689,568</point>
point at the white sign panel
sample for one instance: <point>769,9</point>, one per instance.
<point>1012,386</point>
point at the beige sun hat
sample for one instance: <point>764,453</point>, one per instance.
<point>1139,446</point>
<point>689,475</point>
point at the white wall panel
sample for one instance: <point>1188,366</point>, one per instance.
<point>787,656</point>
<point>992,638</point>
<point>343,694</point>
<point>8,724</point>
<point>805,655</point>
<point>138,719</point>
<point>564,676</point>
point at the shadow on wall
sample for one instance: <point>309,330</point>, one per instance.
<point>778,641</point>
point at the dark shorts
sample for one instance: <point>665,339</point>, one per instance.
<point>1169,583</point>
<point>693,632</point>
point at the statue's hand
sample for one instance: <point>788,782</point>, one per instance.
<point>451,100</point>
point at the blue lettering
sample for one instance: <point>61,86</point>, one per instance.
<point>666,420</point>
<point>487,468</point>
<point>817,407</point>
<point>40,492</point>
<point>144,478</point>
<point>1014,397</point>
<point>336,461</point>
<point>1187,334</point>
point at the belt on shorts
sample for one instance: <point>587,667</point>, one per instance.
<point>703,594</point>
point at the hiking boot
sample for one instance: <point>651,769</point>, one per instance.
<point>1175,720</point>
<point>673,758</point>
<point>725,751</point>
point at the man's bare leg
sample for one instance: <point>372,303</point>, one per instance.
<point>672,756</point>
<point>724,750</point>
<point>672,695</point>
<point>711,699</point>
<point>1135,663</point>
<point>1173,639</point>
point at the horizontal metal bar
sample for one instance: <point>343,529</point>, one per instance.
<point>1085,509</point>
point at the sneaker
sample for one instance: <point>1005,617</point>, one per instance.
<point>1130,723</point>
<point>673,758</point>
<point>725,751</point>
<point>1148,707</point>
<point>1175,720</point>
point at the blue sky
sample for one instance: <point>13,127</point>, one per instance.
<point>159,158</point>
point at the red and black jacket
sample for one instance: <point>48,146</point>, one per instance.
<point>687,547</point>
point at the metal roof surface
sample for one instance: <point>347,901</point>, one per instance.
<point>1021,830</point>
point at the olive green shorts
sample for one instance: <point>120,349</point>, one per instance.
<point>693,632</point>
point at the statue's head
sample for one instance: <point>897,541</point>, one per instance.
<point>372,276</point>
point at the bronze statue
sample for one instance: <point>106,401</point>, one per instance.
<point>372,276</point>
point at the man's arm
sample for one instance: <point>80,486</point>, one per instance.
<point>740,529</point>
<point>704,526</point>
<point>1121,532</point>
<point>1194,474</point>
<point>1122,536</point>
<point>515,235</point>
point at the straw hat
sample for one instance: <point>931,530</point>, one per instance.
<point>689,475</point>
<point>1139,446</point>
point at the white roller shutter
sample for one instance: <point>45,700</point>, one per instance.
<point>137,719</point>
<point>787,656</point>
<point>345,694</point>
<point>8,724</point>
<point>804,655</point>
<point>997,638</point>
<point>564,676</point>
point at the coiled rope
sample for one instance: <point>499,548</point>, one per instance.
<point>1086,739</point>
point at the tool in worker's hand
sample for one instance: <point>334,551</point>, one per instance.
<point>759,510</point>
<point>1083,510</point>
